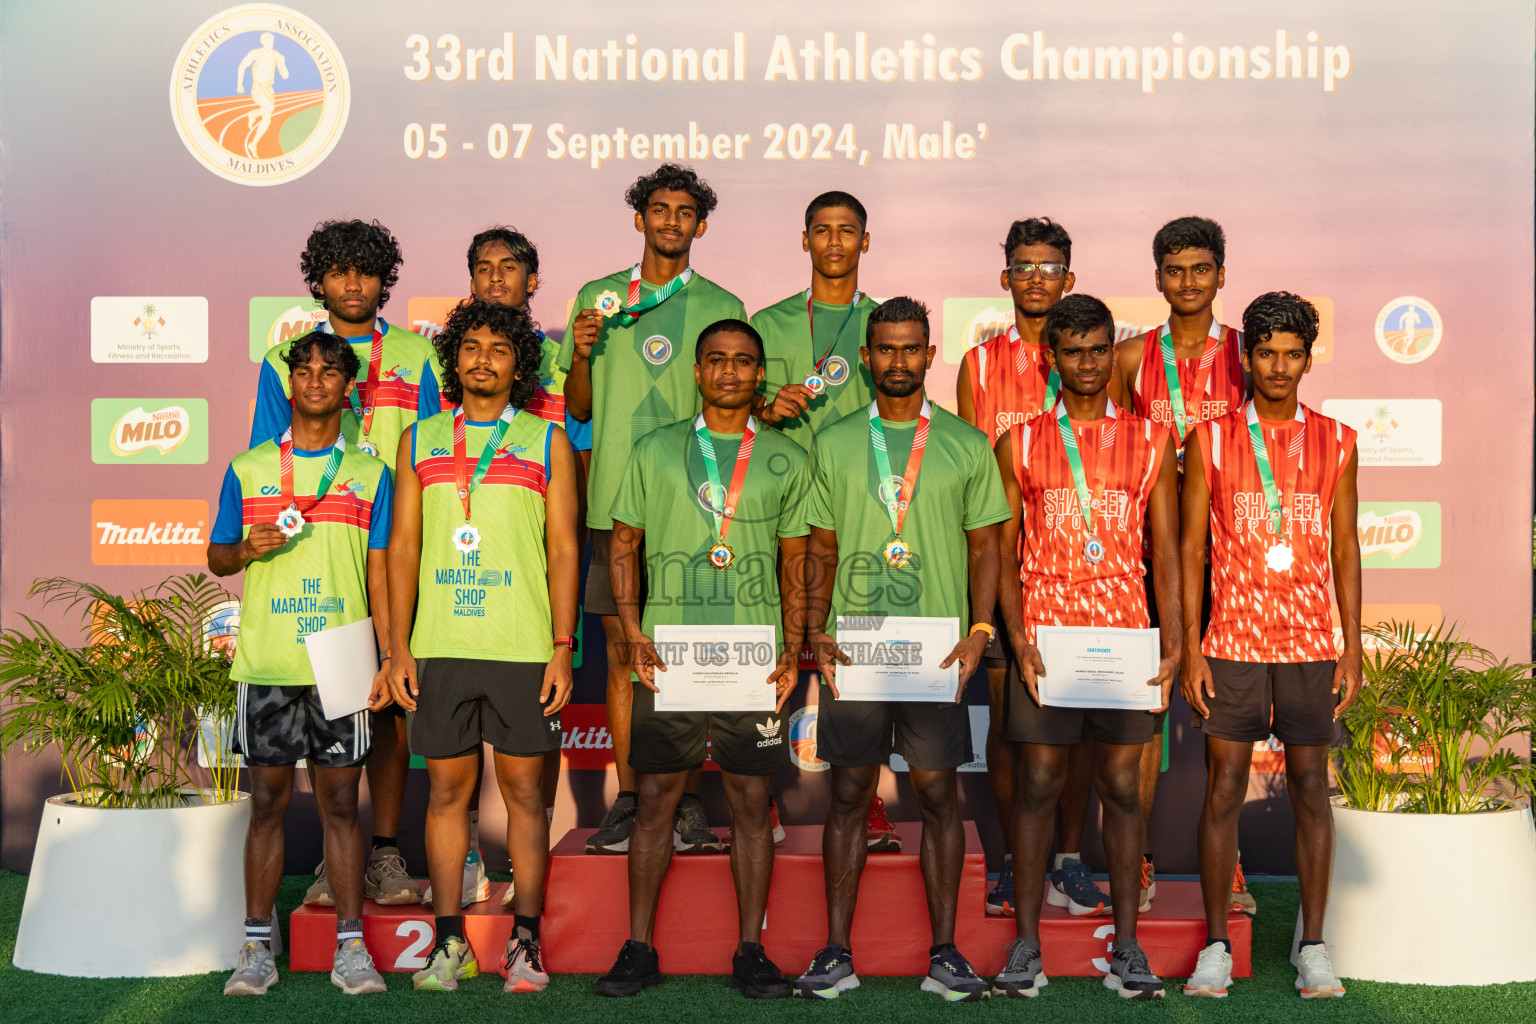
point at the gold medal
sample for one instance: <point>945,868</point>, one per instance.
<point>897,553</point>
<point>721,555</point>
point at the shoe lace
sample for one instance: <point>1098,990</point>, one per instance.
<point>251,954</point>
<point>1209,960</point>
<point>528,948</point>
<point>1020,953</point>
<point>354,956</point>
<point>1239,883</point>
<point>1004,886</point>
<point>877,819</point>
<point>618,812</point>
<point>628,954</point>
<point>826,961</point>
<point>320,870</point>
<point>440,949</point>
<point>758,965</point>
<point>1135,960</point>
<point>1078,884</point>
<point>690,817</point>
<point>391,863</point>
<point>1315,960</point>
<point>950,958</point>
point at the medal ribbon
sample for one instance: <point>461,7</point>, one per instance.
<point>1085,498</point>
<point>285,469</point>
<point>725,516</point>
<point>1052,384</point>
<point>365,391</point>
<point>810,315</point>
<point>634,306</point>
<point>1202,375</point>
<point>462,480</point>
<point>894,508</point>
<point>1273,495</point>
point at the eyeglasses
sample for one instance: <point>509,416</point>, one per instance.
<point>1048,271</point>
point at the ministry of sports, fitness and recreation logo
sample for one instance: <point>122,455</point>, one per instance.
<point>657,349</point>
<point>260,94</point>
<point>802,741</point>
<point>1408,329</point>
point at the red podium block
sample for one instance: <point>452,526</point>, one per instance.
<point>586,918</point>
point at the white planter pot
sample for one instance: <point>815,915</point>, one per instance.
<point>1434,899</point>
<point>120,893</point>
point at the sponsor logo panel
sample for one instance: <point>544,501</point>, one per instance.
<point>148,532</point>
<point>1399,534</point>
<point>1393,431</point>
<point>1408,329</point>
<point>802,737</point>
<point>1135,315</point>
<point>145,430</point>
<point>276,320</point>
<point>428,314</point>
<point>149,329</point>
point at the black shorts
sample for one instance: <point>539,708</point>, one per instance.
<point>464,702</point>
<point>599,594</point>
<point>278,725</point>
<point>999,652</point>
<point>1029,722</point>
<point>932,736</point>
<point>740,742</point>
<point>1293,701</point>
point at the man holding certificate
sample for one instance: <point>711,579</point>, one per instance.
<point>715,500</point>
<point>1083,479</point>
<point>903,555</point>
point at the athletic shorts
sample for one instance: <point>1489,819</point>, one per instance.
<point>741,742</point>
<point>278,725</point>
<point>464,702</point>
<point>1029,722</point>
<point>599,594</point>
<point>1293,701</point>
<point>932,736</point>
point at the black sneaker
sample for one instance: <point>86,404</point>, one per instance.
<point>951,977</point>
<point>1130,975</point>
<point>829,976</point>
<point>756,975</point>
<point>612,835</point>
<point>636,968</point>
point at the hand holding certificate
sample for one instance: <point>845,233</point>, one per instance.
<point>715,668</point>
<point>897,658</point>
<point>1099,667</point>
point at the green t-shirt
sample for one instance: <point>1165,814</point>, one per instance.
<point>491,603</point>
<point>791,357</point>
<point>664,491</point>
<point>642,375</point>
<point>958,489</point>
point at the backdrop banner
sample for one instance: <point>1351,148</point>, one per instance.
<point>164,164</point>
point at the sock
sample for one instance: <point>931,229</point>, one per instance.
<point>1061,857</point>
<point>1225,943</point>
<point>549,812</point>
<point>934,951</point>
<point>474,830</point>
<point>1147,857</point>
<point>1305,944</point>
<point>447,926</point>
<point>629,793</point>
<point>379,841</point>
<point>692,796</point>
<point>259,929</point>
<point>526,927</point>
<point>349,929</point>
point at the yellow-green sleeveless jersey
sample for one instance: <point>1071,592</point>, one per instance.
<point>491,603</point>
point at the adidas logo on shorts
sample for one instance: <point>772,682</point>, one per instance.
<point>336,748</point>
<point>770,733</point>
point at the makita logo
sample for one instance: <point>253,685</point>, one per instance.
<point>148,532</point>
<point>769,730</point>
<point>154,533</point>
<point>589,738</point>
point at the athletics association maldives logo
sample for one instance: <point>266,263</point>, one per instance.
<point>221,629</point>
<point>260,94</point>
<point>802,740</point>
<point>1408,329</point>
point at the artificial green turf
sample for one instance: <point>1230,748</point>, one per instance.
<point>309,998</point>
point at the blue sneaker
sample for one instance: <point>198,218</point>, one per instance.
<point>1000,899</point>
<point>1072,887</point>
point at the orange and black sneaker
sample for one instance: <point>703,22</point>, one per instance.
<point>1148,885</point>
<point>882,838</point>
<point>1242,900</point>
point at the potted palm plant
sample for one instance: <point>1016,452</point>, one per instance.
<point>1433,813</point>
<point>138,868</point>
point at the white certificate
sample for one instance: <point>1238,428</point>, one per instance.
<point>1094,667</point>
<point>344,659</point>
<point>897,658</point>
<point>716,668</point>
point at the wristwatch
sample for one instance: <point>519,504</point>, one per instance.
<point>567,641</point>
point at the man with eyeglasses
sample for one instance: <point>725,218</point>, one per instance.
<point>1187,371</point>
<point>1005,381</point>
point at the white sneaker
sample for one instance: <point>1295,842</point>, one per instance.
<point>255,972</point>
<point>1314,974</point>
<point>1213,973</point>
<point>476,887</point>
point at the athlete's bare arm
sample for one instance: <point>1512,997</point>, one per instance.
<point>1195,517</point>
<point>624,573</point>
<point>563,562</point>
<point>1009,594</point>
<point>404,568</point>
<point>1122,377</point>
<point>1163,517</point>
<point>1346,584</point>
<point>821,572</point>
<point>228,559</point>
<point>963,397</point>
<point>578,384</point>
<point>379,696</point>
<point>792,595</point>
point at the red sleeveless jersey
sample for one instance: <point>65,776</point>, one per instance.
<point>1260,614</point>
<point>1060,586</point>
<point>1008,381</point>
<point>1223,390</point>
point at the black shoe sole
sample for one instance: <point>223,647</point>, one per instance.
<point>632,988</point>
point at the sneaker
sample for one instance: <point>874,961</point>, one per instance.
<point>951,976</point>
<point>636,968</point>
<point>773,823</point>
<point>1131,976</point>
<point>476,888</point>
<point>1314,974</point>
<point>352,969</point>
<point>1148,885</point>
<point>1024,973</point>
<point>612,835</point>
<point>690,829</point>
<point>506,897</point>
<point>524,966</point>
<point>255,971</point>
<point>386,881</point>
<point>1072,887</point>
<point>1000,899</point>
<point>1213,973</point>
<point>1242,900</point>
<point>829,976</point>
<point>756,975</point>
<point>319,892</point>
<point>882,838</point>
<point>450,962</point>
